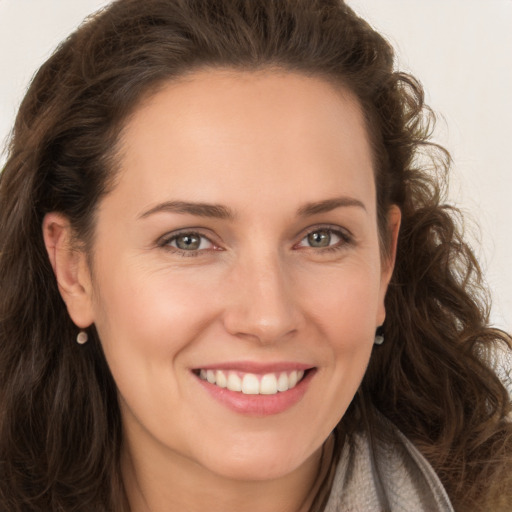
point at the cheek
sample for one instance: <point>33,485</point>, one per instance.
<point>345,301</point>
<point>154,312</point>
<point>344,312</point>
<point>342,306</point>
<point>146,321</point>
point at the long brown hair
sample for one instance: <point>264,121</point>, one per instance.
<point>60,426</point>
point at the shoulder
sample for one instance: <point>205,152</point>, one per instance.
<point>385,473</point>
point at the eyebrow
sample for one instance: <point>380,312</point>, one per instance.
<point>199,209</point>
<point>328,205</point>
<point>223,212</point>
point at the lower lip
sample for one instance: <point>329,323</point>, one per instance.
<point>259,405</point>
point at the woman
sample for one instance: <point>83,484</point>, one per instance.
<point>227,281</point>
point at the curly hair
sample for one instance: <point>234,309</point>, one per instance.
<point>60,425</point>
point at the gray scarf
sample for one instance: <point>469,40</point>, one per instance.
<point>386,474</point>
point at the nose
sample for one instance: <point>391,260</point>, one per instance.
<point>260,301</point>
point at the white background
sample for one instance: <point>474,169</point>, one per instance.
<point>461,50</point>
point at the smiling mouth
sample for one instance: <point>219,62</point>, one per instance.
<point>252,383</point>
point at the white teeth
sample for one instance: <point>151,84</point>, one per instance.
<point>220,379</point>
<point>283,383</point>
<point>251,384</point>
<point>234,382</point>
<point>210,376</point>
<point>268,384</point>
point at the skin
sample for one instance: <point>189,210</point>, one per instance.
<point>263,145</point>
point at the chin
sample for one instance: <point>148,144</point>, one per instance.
<point>255,464</point>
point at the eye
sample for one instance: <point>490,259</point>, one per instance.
<point>320,238</point>
<point>188,242</point>
<point>324,238</point>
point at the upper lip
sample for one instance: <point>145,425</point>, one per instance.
<point>256,367</point>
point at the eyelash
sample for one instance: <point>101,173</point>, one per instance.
<point>165,242</point>
<point>346,239</point>
<point>344,236</point>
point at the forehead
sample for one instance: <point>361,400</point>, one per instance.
<point>214,133</point>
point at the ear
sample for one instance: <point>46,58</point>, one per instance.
<point>70,268</point>
<point>388,263</point>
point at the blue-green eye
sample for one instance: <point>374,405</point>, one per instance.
<point>320,238</point>
<point>324,238</point>
<point>189,242</point>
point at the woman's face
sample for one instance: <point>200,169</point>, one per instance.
<point>240,246</point>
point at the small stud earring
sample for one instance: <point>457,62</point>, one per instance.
<point>379,336</point>
<point>82,338</point>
